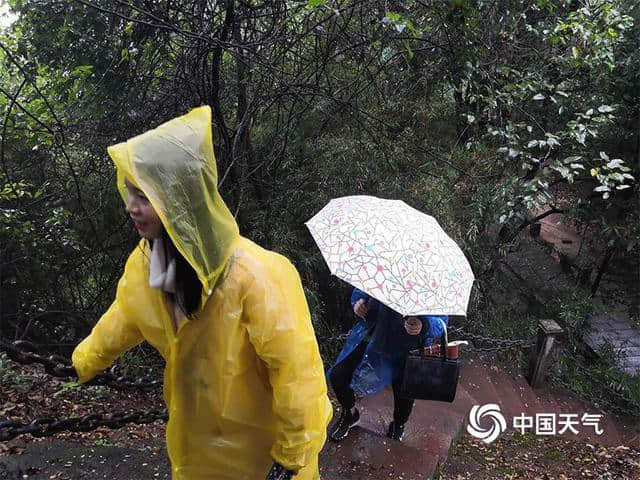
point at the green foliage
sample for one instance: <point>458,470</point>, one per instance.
<point>66,387</point>
<point>97,392</point>
<point>573,314</point>
<point>316,3</point>
<point>600,382</point>
<point>541,131</point>
<point>101,442</point>
<point>480,113</point>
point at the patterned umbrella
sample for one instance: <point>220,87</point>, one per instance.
<point>395,253</point>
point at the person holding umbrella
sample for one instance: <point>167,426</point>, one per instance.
<point>409,277</point>
<point>373,357</point>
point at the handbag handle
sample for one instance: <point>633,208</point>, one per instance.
<point>444,340</point>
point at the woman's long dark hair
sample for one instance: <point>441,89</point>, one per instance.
<point>188,287</point>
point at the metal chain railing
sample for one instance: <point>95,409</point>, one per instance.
<point>45,427</point>
<point>25,353</point>
<point>480,343</point>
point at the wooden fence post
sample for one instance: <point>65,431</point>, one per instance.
<point>548,330</point>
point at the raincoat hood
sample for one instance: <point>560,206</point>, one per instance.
<point>174,166</point>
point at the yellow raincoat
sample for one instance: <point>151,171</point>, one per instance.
<point>244,383</point>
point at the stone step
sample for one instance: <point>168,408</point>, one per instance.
<point>434,426</point>
<point>476,380</point>
<point>368,455</point>
<point>488,382</point>
<point>627,338</point>
<point>630,365</point>
<point>516,398</point>
<point>558,403</point>
<point>531,402</point>
<point>615,331</point>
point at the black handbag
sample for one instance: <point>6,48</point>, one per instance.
<point>431,376</point>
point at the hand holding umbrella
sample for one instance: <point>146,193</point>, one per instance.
<point>361,307</point>
<point>413,325</point>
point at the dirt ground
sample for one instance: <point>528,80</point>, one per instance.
<point>132,452</point>
<point>538,458</point>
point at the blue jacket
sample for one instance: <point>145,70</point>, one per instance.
<point>388,346</point>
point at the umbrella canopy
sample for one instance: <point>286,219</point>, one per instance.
<point>395,253</point>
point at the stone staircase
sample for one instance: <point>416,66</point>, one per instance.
<point>434,426</point>
<point>614,330</point>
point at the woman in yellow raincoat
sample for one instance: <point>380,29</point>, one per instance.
<point>244,383</point>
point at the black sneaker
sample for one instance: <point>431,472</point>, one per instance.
<point>396,431</point>
<point>340,429</point>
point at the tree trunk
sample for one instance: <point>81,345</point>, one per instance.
<point>603,268</point>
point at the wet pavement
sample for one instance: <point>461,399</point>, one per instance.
<point>613,330</point>
<point>434,426</point>
<point>56,459</point>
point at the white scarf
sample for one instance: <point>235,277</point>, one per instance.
<point>162,271</point>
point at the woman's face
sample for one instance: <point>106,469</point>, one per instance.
<point>144,217</point>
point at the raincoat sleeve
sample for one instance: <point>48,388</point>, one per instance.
<point>435,325</point>
<point>113,335</point>
<point>358,295</point>
<point>280,329</point>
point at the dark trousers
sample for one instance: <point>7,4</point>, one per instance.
<point>340,379</point>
